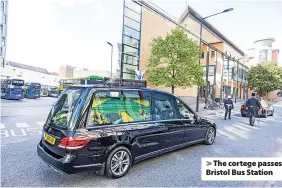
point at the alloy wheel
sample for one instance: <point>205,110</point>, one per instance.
<point>120,162</point>
<point>211,135</point>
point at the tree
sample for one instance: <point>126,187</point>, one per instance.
<point>265,77</point>
<point>174,61</point>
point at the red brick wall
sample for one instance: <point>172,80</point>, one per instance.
<point>275,56</point>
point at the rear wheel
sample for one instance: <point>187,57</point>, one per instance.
<point>264,114</point>
<point>272,113</point>
<point>118,162</point>
<point>210,136</point>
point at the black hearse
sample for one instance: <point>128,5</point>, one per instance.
<point>107,129</point>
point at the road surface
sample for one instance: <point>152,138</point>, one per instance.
<point>21,123</point>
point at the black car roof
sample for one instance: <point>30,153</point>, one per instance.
<point>121,87</point>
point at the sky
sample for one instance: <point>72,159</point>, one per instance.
<point>48,33</point>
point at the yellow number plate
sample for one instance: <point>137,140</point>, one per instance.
<point>49,139</point>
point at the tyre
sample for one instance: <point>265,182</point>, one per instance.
<point>210,136</point>
<point>119,162</point>
<point>272,113</point>
<point>264,114</point>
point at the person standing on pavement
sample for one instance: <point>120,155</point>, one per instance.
<point>228,104</point>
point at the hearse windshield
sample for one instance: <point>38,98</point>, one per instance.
<point>65,106</point>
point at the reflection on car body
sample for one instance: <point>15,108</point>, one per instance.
<point>108,129</point>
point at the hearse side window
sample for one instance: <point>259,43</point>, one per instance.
<point>119,106</point>
<point>184,112</point>
<point>163,107</point>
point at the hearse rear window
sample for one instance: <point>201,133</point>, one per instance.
<point>116,107</point>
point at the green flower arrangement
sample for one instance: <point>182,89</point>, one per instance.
<point>60,118</point>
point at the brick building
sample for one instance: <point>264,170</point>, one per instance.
<point>144,21</point>
<point>66,71</point>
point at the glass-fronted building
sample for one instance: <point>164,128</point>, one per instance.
<point>3,31</point>
<point>143,21</point>
<point>130,39</point>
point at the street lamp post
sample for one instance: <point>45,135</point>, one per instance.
<point>111,58</point>
<point>201,28</point>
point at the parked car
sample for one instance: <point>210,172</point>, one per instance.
<point>108,129</point>
<point>264,111</point>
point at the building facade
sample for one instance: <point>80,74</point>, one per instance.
<point>66,71</point>
<point>3,32</point>
<point>142,21</point>
<point>30,74</point>
<point>263,51</point>
<point>82,72</point>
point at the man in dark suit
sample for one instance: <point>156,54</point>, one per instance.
<point>254,103</point>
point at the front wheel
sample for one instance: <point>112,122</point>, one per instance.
<point>118,162</point>
<point>210,136</point>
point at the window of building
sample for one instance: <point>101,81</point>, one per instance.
<point>131,23</point>
<point>3,41</point>
<point>132,14</point>
<point>129,68</point>
<point>211,70</point>
<point>117,107</point>
<point>212,54</point>
<point>130,51</point>
<point>235,71</point>
<point>131,41</point>
<point>1,28</point>
<point>263,55</point>
<point>133,6</point>
<point>131,33</point>
<point>5,19</point>
<point>1,51</point>
<point>131,60</point>
<point>1,62</point>
<point>203,55</point>
<point>127,75</point>
<point>241,73</point>
<point>2,6</point>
